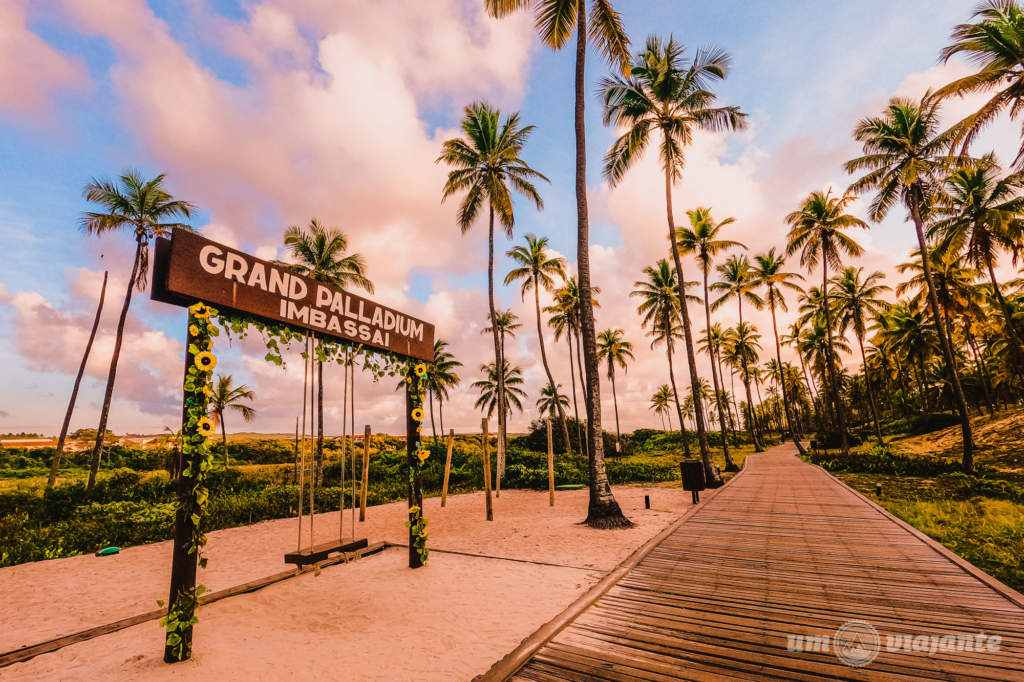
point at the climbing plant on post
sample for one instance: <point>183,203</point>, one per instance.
<point>416,458</point>
<point>193,495</point>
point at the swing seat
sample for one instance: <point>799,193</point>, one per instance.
<point>322,551</point>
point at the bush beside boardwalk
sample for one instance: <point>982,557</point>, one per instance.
<point>133,503</point>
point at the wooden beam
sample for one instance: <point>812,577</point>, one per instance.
<point>487,469</point>
<point>551,467</point>
<point>365,472</point>
<point>415,476</point>
<point>447,467</point>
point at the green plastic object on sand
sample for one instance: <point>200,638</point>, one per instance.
<point>107,551</point>
<point>570,486</point>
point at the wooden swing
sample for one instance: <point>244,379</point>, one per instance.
<point>307,468</point>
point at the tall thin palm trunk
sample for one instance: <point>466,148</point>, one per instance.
<point>615,402</point>
<point>729,464</point>
<point>583,385</point>
<point>982,374</point>
<point>790,423</point>
<point>947,348</point>
<point>319,418</point>
<point>547,368</point>
<point>871,391</point>
<point>837,398</point>
<point>224,439</point>
<point>603,510</point>
<point>498,359</point>
<point>55,464</point>
<point>675,396</point>
<point>433,427</point>
<point>575,404</point>
<point>1010,323</point>
<point>710,472</point>
<point>108,393</point>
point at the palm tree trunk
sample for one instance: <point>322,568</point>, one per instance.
<point>871,391</point>
<point>498,359</point>
<point>583,386</point>
<point>547,368</point>
<point>790,423</point>
<point>615,402</point>
<point>710,473</point>
<point>319,418</point>
<point>97,449</point>
<point>55,464</point>
<point>603,510</point>
<point>433,427</point>
<point>675,395</point>
<point>729,464</point>
<point>575,405</point>
<point>837,398</point>
<point>440,411</point>
<point>982,374</point>
<point>1011,325</point>
<point>947,348</point>
<point>224,439</point>
<point>751,423</point>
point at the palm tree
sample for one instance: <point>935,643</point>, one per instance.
<point>229,397</point>
<point>512,379</point>
<point>857,301</point>
<point>144,207</point>
<point>552,403</point>
<point>817,232</point>
<point>996,45</point>
<point>770,274</point>
<point>666,94</point>
<point>908,332</point>
<point>441,377</point>
<point>904,160</point>
<point>740,349</point>
<point>537,270</point>
<point>701,239</point>
<point>711,345</point>
<point>980,215</point>
<point>565,319</point>
<point>602,27</point>
<point>617,351</point>
<point>319,252</point>
<point>487,165</point>
<point>660,404</point>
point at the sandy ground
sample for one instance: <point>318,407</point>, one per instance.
<point>373,619</point>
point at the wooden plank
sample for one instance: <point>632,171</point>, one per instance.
<point>322,551</point>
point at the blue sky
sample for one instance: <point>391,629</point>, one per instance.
<point>803,71</point>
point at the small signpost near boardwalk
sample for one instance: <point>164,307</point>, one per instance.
<point>197,273</point>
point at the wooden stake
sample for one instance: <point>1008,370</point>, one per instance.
<point>447,467</point>
<point>366,473</point>
<point>487,471</point>
<point>415,491</point>
<point>551,468</point>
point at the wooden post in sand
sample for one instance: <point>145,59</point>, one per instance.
<point>415,476</point>
<point>487,470</point>
<point>551,468</point>
<point>366,473</point>
<point>447,467</point>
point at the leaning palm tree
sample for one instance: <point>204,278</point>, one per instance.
<point>144,207</point>
<point>537,270</point>
<point>441,377</point>
<point>817,232</point>
<point>617,351</point>
<point>320,253</point>
<point>995,43</point>
<point>979,215</point>
<point>904,161</point>
<point>487,165</point>
<point>857,301</point>
<point>701,239</point>
<point>227,396</point>
<point>660,404</point>
<point>669,95</point>
<point>769,272</point>
<point>601,27</point>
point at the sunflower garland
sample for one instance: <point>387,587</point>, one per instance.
<point>416,523</point>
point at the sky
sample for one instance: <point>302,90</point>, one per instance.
<point>269,113</point>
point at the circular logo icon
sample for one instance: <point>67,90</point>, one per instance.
<point>856,643</point>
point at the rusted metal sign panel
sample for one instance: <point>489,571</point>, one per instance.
<point>188,268</point>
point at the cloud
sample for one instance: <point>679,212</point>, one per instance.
<point>32,73</point>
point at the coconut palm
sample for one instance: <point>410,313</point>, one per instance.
<point>512,379</point>
<point>660,402</point>
<point>487,165</point>
<point>711,345</point>
<point>565,319</point>
<point>857,300</point>
<point>904,161</point>
<point>736,280</point>
<point>616,351</point>
<point>537,270</point>
<point>979,215</point>
<point>817,231</point>
<point>146,209</point>
<point>769,272</point>
<point>994,43</point>
<point>659,310</point>
<point>552,403</point>
<point>740,349</point>
<point>601,27</point>
<point>668,94</point>
<point>701,239</point>
<point>226,396</point>
<point>320,253</point>
<point>441,377</point>
<point>910,333</point>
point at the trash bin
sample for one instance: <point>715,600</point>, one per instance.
<point>693,477</point>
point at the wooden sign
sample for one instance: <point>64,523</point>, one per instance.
<point>188,268</point>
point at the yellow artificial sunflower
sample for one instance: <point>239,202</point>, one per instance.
<point>420,370</point>
<point>193,330</point>
<point>206,361</point>
<point>200,310</point>
<point>209,344</point>
<point>414,509</point>
<point>207,391</point>
<point>210,329</point>
<point>205,427</point>
<point>423,454</point>
<point>417,414</point>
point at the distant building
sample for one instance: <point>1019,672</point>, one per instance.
<point>137,441</point>
<point>28,443</point>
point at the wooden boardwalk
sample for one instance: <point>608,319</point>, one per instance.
<point>784,549</point>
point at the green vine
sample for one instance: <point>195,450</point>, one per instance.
<point>417,523</point>
<point>194,500</point>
